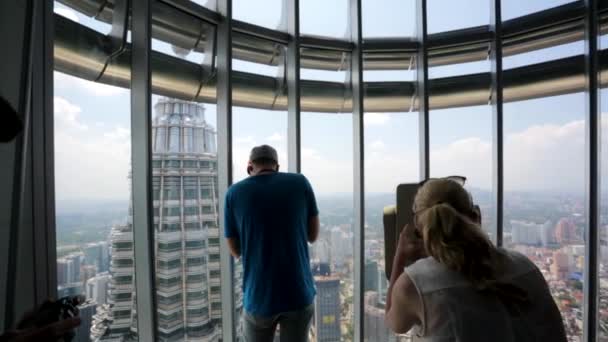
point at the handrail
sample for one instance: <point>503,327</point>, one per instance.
<point>81,52</point>
<point>184,24</point>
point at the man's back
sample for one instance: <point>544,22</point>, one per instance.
<point>269,214</point>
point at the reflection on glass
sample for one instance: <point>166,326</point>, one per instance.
<point>461,144</point>
<point>544,195</point>
<point>391,158</point>
<point>328,165</point>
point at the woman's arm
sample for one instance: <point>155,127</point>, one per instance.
<point>409,249</point>
<point>406,308</point>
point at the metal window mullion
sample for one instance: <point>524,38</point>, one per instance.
<point>141,179</point>
<point>224,146</point>
<point>49,146</point>
<point>592,179</point>
<point>43,199</point>
<point>293,85</point>
<point>422,91</point>
<point>497,119</point>
<point>356,78</point>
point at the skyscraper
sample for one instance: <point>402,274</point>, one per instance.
<point>185,202</point>
<point>327,309</point>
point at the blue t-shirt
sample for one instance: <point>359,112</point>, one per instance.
<point>269,215</point>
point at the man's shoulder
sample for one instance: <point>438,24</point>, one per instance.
<point>293,178</point>
<point>236,186</point>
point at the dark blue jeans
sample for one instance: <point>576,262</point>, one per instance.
<point>294,326</point>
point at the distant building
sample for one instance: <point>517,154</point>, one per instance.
<point>74,264</point>
<point>341,243</point>
<point>560,265</point>
<point>62,272</point>
<point>327,309</point>
<point>86,313</point>
<point>371,276</point>
<point>68,269</point>
<point>531,234</point>
<point>565,231</point>
<point>87,272</point>
<point>97,288</point>
<point>98,254</point>
<point>374,321</point>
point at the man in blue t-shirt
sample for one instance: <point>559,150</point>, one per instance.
<point>270,218</point>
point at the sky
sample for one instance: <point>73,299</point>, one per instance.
<point>544,138</point>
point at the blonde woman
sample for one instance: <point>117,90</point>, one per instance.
<point>450,283</point>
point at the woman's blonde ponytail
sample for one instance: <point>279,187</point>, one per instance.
<point>455,239</point>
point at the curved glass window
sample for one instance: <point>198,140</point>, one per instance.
<point>544,141</point>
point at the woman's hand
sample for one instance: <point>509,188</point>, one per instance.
<point>410,247</point>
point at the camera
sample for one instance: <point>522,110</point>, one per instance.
<point>52,311</point>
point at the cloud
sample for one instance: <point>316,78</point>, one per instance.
<point>375,119</point>
<point>70,83</point>
<point>310,153</point>
<point>66,12</point>
<point>540,158</point>
<point>248,140</point>
<point>377,145</point>
<point>470,157</point>
<point>118,134</point>
<point>275,137</point>
<point>95,166</point>
<point>67,115</point>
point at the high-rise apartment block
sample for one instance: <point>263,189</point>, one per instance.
<point>96,288</point>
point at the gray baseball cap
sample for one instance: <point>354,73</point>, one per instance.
<point>264,152</point>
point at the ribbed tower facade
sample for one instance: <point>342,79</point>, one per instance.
<point>186,222</point>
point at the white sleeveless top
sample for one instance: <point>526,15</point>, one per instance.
<point>454,311</point>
